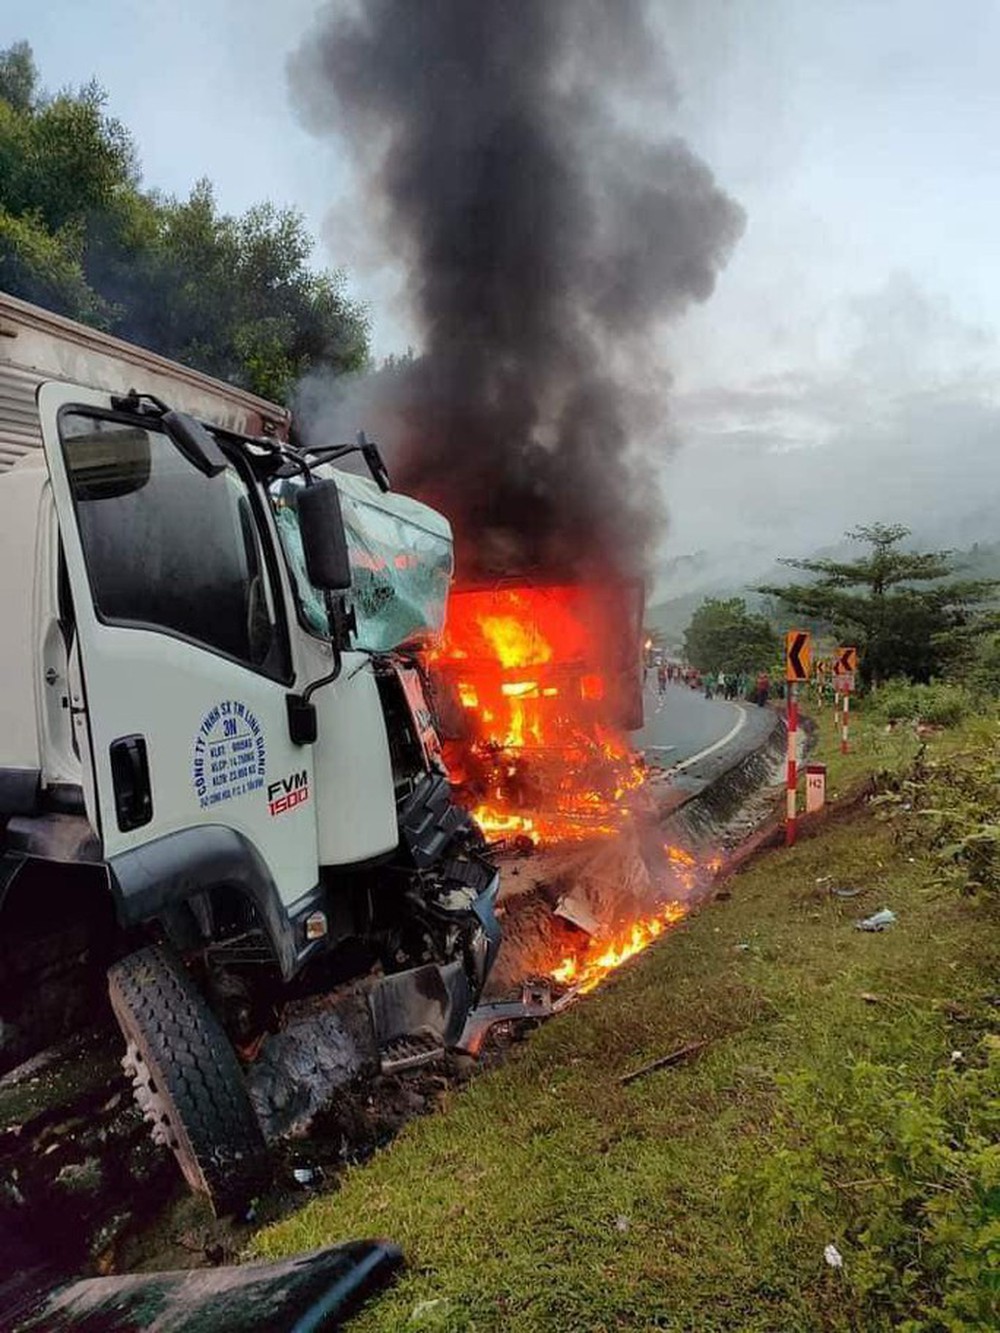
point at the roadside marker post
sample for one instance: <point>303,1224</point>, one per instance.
<point>797,660</point>
<point>792,772</point>
<point>844,666</point>
<point>815,787</point>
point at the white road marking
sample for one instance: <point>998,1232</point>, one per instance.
<point>711,749</point>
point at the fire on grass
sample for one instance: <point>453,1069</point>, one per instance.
<point>586,970</point>
<point>586,967</point>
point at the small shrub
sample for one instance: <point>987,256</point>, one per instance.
<point>984,671</point>
<point>907,1173</point>
<point>939,704</point>
<point>948,808</point>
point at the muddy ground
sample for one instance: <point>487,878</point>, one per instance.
<point>78,1169</point>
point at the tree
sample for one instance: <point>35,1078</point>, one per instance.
<point>18,76</point>
<point>724,636</point>
<point>235,296</point>
<point>45,268</point>
<point>62,161</point>
<point>903,609</point>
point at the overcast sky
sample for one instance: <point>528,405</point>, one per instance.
<point>846,367</point>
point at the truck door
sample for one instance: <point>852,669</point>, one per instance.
<point>182,643</point>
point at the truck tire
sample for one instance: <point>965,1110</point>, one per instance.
<point>187,1079</point>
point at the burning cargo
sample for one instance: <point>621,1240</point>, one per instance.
<point>537,685</point>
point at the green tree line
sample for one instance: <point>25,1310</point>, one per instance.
<point>911,614</point>
<point>234,296</point>
<point>908,612</point>
<point>724,636</point>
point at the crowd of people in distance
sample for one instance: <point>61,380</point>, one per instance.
<point>674,672</point>
<point>729,685</point>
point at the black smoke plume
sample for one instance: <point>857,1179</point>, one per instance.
<point>513,162</point>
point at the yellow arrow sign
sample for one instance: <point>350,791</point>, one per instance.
<point>846,661</point>
<point>797,655</point>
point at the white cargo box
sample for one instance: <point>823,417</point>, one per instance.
<point>36,345</point>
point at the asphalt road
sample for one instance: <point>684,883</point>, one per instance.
<point>683,727</point>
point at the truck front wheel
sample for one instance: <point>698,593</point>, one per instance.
<point>187,1079</point>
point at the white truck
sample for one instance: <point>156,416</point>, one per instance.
<point>220,780</point>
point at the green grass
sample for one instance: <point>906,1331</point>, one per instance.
<point>872,747</point>
<point>876,748</point>
<point>826,1108</point>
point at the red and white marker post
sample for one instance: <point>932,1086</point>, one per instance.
<point>797,659</point>
<point>792,775</point>
<point>845,665</point>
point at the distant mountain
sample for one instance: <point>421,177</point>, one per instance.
<point>733,574</point>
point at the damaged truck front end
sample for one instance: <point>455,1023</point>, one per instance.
<point>217,755</point>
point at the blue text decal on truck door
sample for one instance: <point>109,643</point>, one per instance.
<point>230,757</point>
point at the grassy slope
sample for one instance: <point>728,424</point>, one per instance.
<point>548,1196</point>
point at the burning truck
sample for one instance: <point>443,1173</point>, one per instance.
<point>537,686</point>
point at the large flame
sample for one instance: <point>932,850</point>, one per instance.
<point>537,676</point>
<point>515,643</point>
<point>539,755</point>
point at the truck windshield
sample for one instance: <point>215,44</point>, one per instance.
<point>167,548</point>
<point>401,563</point>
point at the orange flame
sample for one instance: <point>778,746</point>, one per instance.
<point>528,668</point>
<point>515,643</point>
<point>587,970</point>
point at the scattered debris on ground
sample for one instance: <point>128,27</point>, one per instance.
<point>878,921</point>
<point>677,1057</point>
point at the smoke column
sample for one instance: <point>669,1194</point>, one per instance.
<point>546,232</point>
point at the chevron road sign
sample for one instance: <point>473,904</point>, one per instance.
<point>846,662</point>
<point>797,655</point>
<point>844,665</point>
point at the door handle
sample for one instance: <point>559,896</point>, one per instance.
<point>130,779</point>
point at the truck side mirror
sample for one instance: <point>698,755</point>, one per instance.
<point>197,444</point>
<point>324,541</point>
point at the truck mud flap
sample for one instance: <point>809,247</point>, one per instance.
<point>309,1291</point>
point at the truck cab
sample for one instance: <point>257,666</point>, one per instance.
<point>218,768</point>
